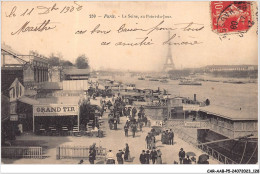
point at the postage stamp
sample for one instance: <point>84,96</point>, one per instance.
<point>231,16</point>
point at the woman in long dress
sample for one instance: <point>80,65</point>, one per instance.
<point>127,153</point>
<point>159,157</point>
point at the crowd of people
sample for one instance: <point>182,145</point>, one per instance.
<point>121,156</point>
<point>134,124</point>
<point>154,156</point>
<point>167,137</point>
<point>184,158</point>
<point>136,120</point>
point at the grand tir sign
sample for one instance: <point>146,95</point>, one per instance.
<point>55,110</point>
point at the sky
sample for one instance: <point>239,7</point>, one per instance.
<point>81,16</point>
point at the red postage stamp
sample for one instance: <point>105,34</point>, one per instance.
<point>231,16</point>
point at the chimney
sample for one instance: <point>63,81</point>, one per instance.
<point>194,97</point>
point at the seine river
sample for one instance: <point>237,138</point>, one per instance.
<point>233,96</point>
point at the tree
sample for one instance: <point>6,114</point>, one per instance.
<point>82,62</point>
<point>57,60</point>
<point>66,63</point>
<point>54,60</point>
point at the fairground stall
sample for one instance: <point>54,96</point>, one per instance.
<point>55,119</point>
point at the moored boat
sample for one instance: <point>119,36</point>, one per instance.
<point>154,80</point>
<point>141,78</point>
<point>188,82</point>
<point>164,81</point>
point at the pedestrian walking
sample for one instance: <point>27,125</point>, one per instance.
<point>127,123</point>
<point>147,157</point>
<point>141,126</point>
<point>115,124</point>
<point>159,157</point>
<point>142,157</point>
<point>127,153</point>
<point>119,157</point>
<point>126,130</point>
<point>145,121</point>
<point>147,139</point>
<point>152,143</point>
<point>134,129</point>
<point>181,155</point>
<point>134,112</point>
<point>153,155</point>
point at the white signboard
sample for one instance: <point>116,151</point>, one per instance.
<point>55,110</point>
<point>13,117</point>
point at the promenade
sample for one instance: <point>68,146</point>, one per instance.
<point>113,139</point>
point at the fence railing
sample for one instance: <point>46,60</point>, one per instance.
<point>175,122</point>
<point>205,148</point>
<point>201,124</point>
<point>21,152</point>
<point>216,155</point>
<point>69,152</point>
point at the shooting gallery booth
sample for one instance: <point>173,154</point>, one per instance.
<point>55,119</point>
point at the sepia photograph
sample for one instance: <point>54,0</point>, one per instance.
<point>167,83</point>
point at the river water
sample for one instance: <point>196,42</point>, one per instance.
<point>233,96</point>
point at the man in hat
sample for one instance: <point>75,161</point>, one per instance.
<point>142,157</point>
<point>134,112</point>
<point>119,157</point>
<point>181,155</point>
<point>110,157</point>
<point>148,141</point>
<point>92,153</point>
<point>167,137</point>
<point>153,155</point>
<point>171,136</point>
<point>92,156</point>
<point>126,130</point>
<point>147,157</point>
<point>134,129</point>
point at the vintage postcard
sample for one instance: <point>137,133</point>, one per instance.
<point>165,84</point>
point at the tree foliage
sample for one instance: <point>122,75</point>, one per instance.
<point>58,61</point>
<point>67,63</point>
<point>82,62</point>
<point>54,61</point>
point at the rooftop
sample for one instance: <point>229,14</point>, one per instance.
<point>228,113</point>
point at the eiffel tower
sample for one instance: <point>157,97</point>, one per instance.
<point>169,64</point>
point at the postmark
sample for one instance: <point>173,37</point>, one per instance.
<point>231,16</point>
